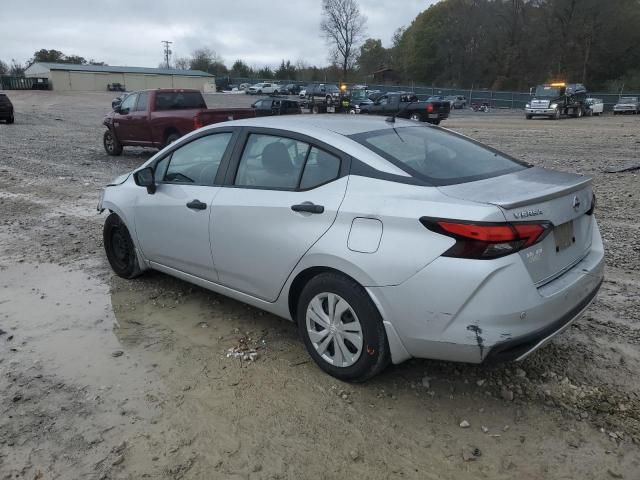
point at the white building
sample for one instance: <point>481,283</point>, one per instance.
<point>69,77</point>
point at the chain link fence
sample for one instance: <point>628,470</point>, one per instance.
<point>495,98</point>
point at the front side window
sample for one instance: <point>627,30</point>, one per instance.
<point>128,103</point>
<point>437,156</point>
<point>269,161</point>
<point>143,100</point>
<point>196,162</point>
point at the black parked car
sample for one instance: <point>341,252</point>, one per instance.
<point>6,108</point>
<point>276,106</point>
<point>292,89</point>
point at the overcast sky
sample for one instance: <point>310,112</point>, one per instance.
<point>128,32</point>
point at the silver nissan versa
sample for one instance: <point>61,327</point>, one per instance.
<point>383,240</point>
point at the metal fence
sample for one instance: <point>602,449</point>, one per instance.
<point>8,82</point>
<point>495,98</point>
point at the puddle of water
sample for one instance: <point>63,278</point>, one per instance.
<point>61,318</point>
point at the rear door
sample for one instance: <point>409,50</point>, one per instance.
<point>283,194</point>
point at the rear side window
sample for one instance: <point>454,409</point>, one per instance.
<point>321,167</point>
<point>179,101</point>
<point>437,156</point>
<point>271,162</point>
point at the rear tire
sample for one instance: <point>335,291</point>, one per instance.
<point>350,345</point>
<point>315,109</point>
<point>119,247</point>
<point>415,116</point>
<point>111,144</point>
<point>11,119</point>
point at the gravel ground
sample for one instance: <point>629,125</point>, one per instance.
<point>102,378</point>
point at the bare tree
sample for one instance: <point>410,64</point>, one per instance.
<point>343,26</point>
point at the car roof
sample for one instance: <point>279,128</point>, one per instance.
<point>330,129</point>
<point>309,124</point>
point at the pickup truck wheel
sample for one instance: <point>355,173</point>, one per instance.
<point>111,144</point>
<point>528,117</point>
<point>315,109</point>
<point>416,117</point>
<point>352,111</point>
<point>172,137</point>
<point>11,119</point>
<point>556,114</point>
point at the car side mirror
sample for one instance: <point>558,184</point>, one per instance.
<point>145,178</point>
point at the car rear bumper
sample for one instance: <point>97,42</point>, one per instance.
<point>472,311</point>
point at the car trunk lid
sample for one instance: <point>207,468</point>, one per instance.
<point>540,195</point>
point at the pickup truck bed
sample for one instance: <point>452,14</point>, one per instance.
<point>407,105</point>
<point>156,118</point>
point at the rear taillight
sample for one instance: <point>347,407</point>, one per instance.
<point>429,107</point>
<point>480,240</point>
<point>197,122</point>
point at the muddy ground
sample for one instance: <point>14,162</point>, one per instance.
<point>102,378</point>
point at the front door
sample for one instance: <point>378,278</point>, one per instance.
<point>122,118</point>
<point>285,195</point>
<point>139,127</point>
<point>172,224</point>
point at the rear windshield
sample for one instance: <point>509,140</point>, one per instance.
<point>437,156</point>
<point>179,100</point>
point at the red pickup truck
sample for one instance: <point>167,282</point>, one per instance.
<point>155,118</point>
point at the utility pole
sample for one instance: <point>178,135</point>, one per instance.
<point>167,51</point>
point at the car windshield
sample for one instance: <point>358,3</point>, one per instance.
<point>358,94</point>
<point>437,156</point>
<point>629,100</point>
<point>547,91</point>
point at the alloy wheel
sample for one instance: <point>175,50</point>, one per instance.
<point>334,329</point>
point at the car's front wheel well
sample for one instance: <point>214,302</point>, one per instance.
<point>302,279</point>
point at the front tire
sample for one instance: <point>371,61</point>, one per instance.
<point>556,114</point>
<point>342,328</point>
<point>119,247</point>
<point>111,144</point>
<point>11,119</point>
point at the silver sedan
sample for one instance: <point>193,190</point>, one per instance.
<point>383,240</point>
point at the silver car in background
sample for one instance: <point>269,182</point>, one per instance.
<point>383,240</point>
<point>629,105</point>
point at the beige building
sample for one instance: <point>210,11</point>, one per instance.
<point>69,77</point>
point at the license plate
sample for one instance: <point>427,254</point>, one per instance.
<point>433,115</point>
<point>331,109</point>
<point>564,236</point>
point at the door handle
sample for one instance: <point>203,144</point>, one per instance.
<point>308,207</point>
<point>196,205</point>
